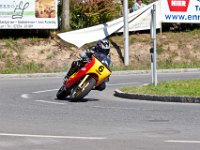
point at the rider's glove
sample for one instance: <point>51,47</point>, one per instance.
<point>84,56</point>
<point>90,51</point>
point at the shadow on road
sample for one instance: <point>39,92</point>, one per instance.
<point>78,101</point>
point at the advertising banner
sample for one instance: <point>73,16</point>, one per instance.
<point>138,20</point>
<point>180,11</point>
<point>28,14</point>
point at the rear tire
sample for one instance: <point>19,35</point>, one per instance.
<point>61,94</point>
<point>78,93</point>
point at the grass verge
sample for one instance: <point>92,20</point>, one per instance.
<point>168,88</point>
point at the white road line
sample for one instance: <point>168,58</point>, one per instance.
<point>44,91</point>
<point>114,84</point>
<point>43,101</point>
<point>120,108</point>
<point>50,136</point>
<point>25,96</point>
<point>182,141</point>
<point>109,84</point>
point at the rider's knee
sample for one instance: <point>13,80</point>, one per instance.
<point>101,87</point>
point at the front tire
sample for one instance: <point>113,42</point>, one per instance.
<point>61,94</point>
<point>78,93</point>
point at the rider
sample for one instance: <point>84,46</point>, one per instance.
<point>101,50</point>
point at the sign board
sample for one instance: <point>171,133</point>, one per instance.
<point>28,14</point>
<point>180,11</point>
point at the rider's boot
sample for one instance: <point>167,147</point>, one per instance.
<point>71,71</point>
<point>74,68</point>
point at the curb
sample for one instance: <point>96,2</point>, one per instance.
<point>127,72</point>
<point>32,75</point>
<point>159,71</point>
<point>181,99</point>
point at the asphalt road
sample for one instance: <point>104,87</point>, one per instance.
<point>32,119</point>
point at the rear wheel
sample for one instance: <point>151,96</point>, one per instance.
<point>78,93</point>
<point>61,94</point>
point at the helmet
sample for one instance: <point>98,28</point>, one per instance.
<point>103,46</point>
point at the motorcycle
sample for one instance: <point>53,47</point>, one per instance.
<point>87,78</point>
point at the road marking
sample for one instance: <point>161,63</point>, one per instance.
<point>44,91</point>
<point>182,141</point>
<point>43,101</point>
<point>50,136</point>
<point>26,96</point>
<point>120,108</point>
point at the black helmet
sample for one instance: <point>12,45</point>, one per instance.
<point>103,46</point>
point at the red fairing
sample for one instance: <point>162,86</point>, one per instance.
<point>83,71</point>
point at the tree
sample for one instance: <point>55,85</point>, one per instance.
<point>90,13</point>
<point>65,14</point>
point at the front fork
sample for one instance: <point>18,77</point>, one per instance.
<point>80,85</point>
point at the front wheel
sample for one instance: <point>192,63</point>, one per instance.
<point>78,93</point>
<point>61,94</point>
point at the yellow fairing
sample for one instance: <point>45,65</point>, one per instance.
<point>100,70</point>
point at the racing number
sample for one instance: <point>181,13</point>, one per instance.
<point>101,68</point>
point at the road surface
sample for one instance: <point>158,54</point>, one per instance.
<point>31,118</point>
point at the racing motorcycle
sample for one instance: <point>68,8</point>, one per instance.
<point>87,78</point>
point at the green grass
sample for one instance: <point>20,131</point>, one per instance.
<point>168,64</point>
<point>169,88</point>
<point>18,67</point>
